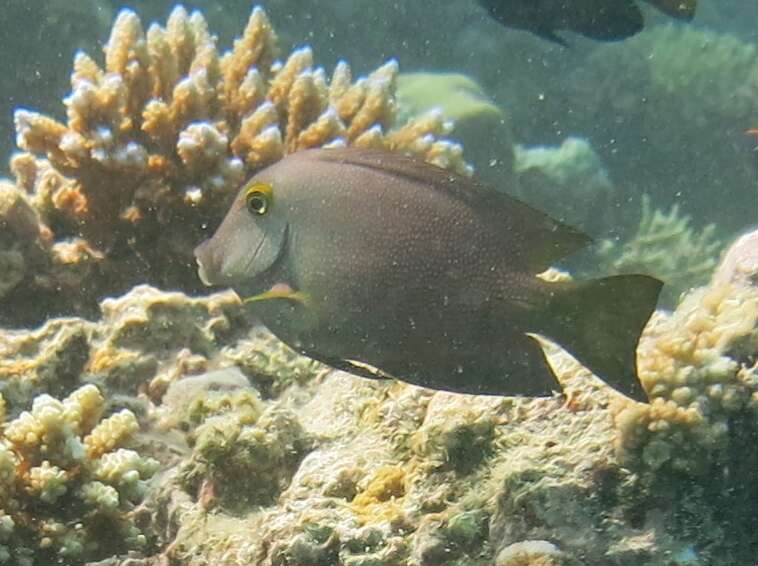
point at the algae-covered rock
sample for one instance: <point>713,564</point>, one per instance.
<point>244,458</point>
<point>693,446</point>
<point>531,553</point>
<point>277,461</point>
<point>144,339</point>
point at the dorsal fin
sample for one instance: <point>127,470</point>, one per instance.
<point>539,240</point>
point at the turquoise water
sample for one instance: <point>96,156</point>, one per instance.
<point>647,145</point>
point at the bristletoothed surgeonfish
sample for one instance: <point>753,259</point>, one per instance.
<point>386,266</point>
<point>605,20</point>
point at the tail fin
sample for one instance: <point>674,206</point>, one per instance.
<point>600,323</point>
<point>680,9</point>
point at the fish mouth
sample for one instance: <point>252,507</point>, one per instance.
<point>202,273</point>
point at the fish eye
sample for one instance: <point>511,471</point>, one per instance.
<point>257,199</point>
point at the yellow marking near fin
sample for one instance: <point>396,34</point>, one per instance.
<point>289,294</point>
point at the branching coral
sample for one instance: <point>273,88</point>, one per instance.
<point>667,247</point>
<point>67,482</point>
<point>158,137</point>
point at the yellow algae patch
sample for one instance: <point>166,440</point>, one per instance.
<point>107,358</point>
<point>379,501</point>
<point>16,368</point>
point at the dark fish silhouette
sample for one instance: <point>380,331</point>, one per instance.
<point>605,20</point>
<point>384,265</point>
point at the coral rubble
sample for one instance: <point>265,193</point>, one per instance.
<point>159,136</point>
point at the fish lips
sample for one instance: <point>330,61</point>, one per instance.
<point>207,265</point>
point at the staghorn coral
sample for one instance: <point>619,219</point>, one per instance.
<point>667,247</point>
<point>168,128</point>
<point>38,76</point>
<point>67,482</point>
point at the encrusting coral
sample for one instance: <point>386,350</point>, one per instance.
<point>698,365</point>
<point>693,446</point>
<point>68,484</point>
<point>159,137</point>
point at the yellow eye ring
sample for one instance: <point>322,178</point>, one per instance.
<point>258,198</point>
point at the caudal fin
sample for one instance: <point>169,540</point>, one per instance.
<point>600,323</point>
<point>680,9</point>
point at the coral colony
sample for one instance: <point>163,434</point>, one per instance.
<point>172,428</point>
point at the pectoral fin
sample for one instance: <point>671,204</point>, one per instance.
<point>281,292</point>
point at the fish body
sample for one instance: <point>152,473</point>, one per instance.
<point>386,266</point>
<point>604,20</point>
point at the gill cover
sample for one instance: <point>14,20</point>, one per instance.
<point>248,241</point>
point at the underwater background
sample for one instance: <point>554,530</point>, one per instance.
<point>147,421</point>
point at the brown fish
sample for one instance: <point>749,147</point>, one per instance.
<point>383,265</point>
<point>605,20</point>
